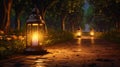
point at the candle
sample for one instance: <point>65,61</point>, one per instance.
<point>35,39</point>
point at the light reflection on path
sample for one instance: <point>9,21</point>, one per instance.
<point>92,40</point>
<point>80,40</point>
<point>71,55</point>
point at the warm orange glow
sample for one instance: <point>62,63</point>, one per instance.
<point>8,38</point>
<point>14,37</point>
<point>92,40</point>
<point>79,41</point>
<point>21,38</point>
<point>0,37</point>
<point>35,39</point>
<point>1,32</point>
<point>35,24</point>
<point>41,24</point>
<point>40,37</point>
<point>79,33</point>
<point>92,33</point>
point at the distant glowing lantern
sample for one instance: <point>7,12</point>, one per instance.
<point>35,28</point>
<point>92,33</point>
<point>79,33</point>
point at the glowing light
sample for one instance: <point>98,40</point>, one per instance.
<point>41,24</point>
<point>79,33</point>
<point>35,39</point>
<point>20,37</point>
<point>92,40</point>
<point>8,38</point>
<point>92,33</point>
<point>1,38</point>
<point>1,32</point>
<point>35,24</point>
<point>14,37</point>
<point>79,41</point>
<point>40,37</point>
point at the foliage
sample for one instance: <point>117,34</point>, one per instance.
<point>98,35</point>
<point>107,12</point>
<point>69,12</point>
<point>58,37</point>
<point>113,36</point>
<point>2,52</point>
<point>8,48</point>
<point>43,5</point>
<point>5,14</point>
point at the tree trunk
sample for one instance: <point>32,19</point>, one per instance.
<point>63,22</point>
<point>73,29</point>
<point>3,15</point>
<point>17,21</point>
<point>7,10</point>
<point>42,13</point>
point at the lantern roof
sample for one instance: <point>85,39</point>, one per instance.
<point>34,17</point>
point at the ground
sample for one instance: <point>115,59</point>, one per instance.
<point>83,52</point>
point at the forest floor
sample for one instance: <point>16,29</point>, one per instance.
<point>83,52</point>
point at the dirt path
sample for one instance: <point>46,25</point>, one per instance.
<point>86,53</point>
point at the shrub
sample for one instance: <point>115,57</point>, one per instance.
<point>58,37</point>
<point>18,46</point>
<point>2,52</point>
<point>113,36</point>
<point>98,34</point>
<point>11,47</point>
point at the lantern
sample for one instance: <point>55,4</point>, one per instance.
<point>35,30</point>
<point>92,32</point>
<point>79,33</point>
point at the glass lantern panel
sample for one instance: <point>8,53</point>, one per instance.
<point>41,33</point>
<point>28,28</point>
<point>41,28</point>
<point>29,34</point>
<point>34,28</point>
<point>35,24</point>
<point>35,35</point>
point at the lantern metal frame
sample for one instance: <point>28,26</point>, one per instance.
<point>34,19</point>
<point>30,31</point>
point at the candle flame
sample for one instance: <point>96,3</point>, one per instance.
<point>35,39</point>
<point>35,36</point>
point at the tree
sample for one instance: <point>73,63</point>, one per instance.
<point>108,9</point>
<point>1,15</point>
<point>67,8</point>
<point>19,7</point>
<point>43,6</point>
<point>5,14</point>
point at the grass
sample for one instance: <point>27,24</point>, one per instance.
<point>113,36</point>
<point>58,37</point>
